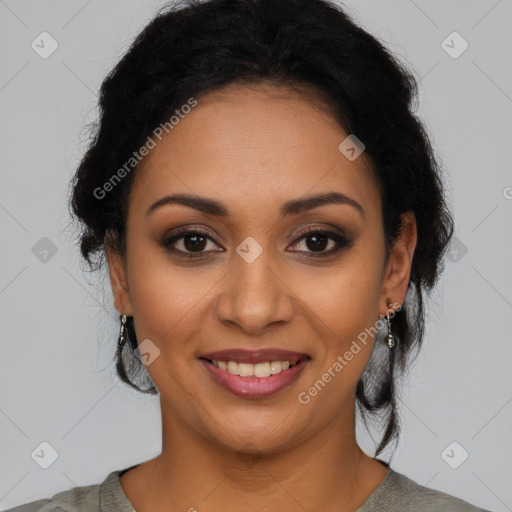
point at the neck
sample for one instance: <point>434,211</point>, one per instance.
<point>328,471</point>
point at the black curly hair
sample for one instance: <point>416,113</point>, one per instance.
<point>193,47</point>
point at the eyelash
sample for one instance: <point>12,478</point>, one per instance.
<point>341,242</point>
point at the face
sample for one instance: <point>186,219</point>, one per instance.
<point>244,273</point>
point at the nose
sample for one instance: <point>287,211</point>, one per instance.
<point>255,296</point>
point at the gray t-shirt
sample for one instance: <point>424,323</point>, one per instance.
<point>396,493</point>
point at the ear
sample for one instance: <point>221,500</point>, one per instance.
<point>398,267</point>
<point>118,278</point>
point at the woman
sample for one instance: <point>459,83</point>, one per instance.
<point>272,215</point>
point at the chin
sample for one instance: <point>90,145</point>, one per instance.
<point>254,435</point>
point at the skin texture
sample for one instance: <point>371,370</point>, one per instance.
<point>254,148</point>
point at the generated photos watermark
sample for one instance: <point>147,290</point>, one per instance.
<point>304,397</point>
<point>133,161</point>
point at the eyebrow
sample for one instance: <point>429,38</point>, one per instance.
<point>292,207</point>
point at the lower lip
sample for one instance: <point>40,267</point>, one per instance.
<point>255,387</point>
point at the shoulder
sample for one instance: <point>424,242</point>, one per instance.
<point>77,499</point>
<point>418,498</point>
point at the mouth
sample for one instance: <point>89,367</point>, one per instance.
<point>255,374</point>
<point>259,370</point>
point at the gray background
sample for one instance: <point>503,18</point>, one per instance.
<point>57,377</point>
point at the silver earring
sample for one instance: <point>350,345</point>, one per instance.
<point>390,338</point>
<point>122,333</point>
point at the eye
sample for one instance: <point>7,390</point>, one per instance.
<point>192,243</point>
<point>319,240</point>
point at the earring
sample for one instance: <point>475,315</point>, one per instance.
<point>122,336</point>
<point>390,338</point>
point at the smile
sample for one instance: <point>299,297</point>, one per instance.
<point>255,381</point>
<point>261,370</point>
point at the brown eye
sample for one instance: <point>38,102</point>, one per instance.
<point>316,242</point>
<point>194,242</point>
<point>188,243</point>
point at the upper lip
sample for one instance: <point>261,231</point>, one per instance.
<point>260,355</point>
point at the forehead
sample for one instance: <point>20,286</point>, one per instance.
<point>254,144</point>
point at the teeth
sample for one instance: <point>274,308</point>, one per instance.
<point>275,367</point>
<point>253,370</point>
<point>233,367</point>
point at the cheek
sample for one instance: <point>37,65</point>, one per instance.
<point>162,294</point>
<point>347,294</point>
<point>343,309</point>
<point>171,302</point>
